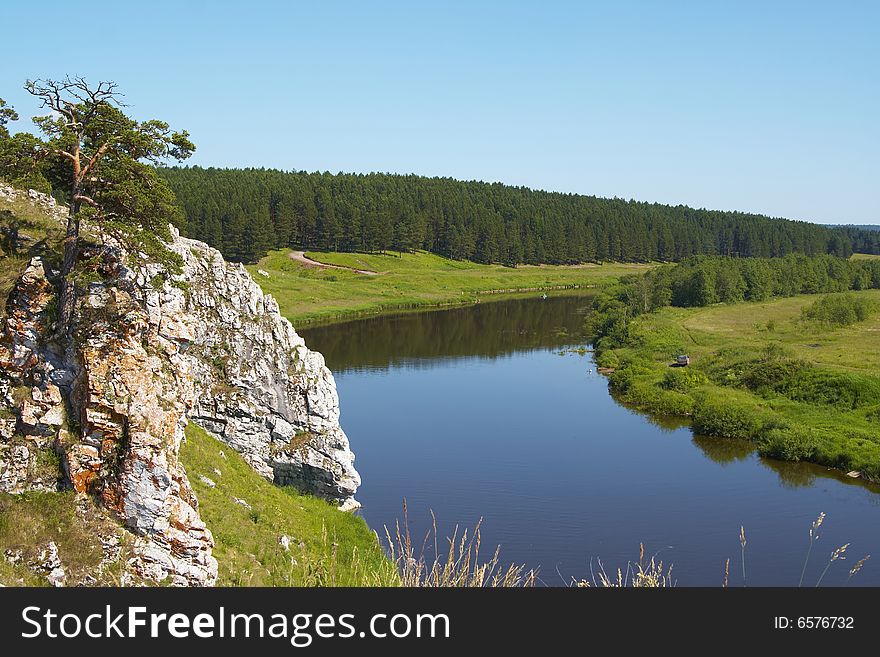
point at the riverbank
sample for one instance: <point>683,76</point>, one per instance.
<point>312,295</point>
<point>797,389</point>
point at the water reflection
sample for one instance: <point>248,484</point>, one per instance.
<point>724,450</point>
<point>489,330</point>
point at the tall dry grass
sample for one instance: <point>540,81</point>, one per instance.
<point>644,573</point>
<point>457,565</point>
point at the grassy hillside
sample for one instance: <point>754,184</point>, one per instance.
<point>408,280</point>
<point>326,547</point>
<point>799,389</point>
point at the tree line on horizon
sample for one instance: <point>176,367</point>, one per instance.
<point>247,212</point>
<point>701,281</point>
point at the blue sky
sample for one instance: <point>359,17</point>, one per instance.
<point>767,106</point>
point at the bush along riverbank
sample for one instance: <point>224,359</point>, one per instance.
<point>779,364</point>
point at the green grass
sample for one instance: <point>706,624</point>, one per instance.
<point>327,547</point>
<point>406,281</point>
<point>799,390</point>
<point>28,522</point>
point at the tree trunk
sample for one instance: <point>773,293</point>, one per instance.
<point>67,302</point>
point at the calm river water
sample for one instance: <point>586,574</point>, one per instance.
<point>473,412</point>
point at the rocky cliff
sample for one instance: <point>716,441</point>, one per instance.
<point>151,350</point>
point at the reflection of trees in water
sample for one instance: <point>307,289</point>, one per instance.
<point>668,423</point>
<point>800,475</point>
<point>488,329</point>
<point>791,474</point>
<point>723,450</point>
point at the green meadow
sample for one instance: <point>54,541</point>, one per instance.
<point>408,280</point>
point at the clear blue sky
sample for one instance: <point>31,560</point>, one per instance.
<point>762,106</point>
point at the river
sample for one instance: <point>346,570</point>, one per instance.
<point>483,411</point>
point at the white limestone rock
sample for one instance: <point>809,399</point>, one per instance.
<point>152,352</point>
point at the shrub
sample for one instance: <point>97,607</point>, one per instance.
<point>763,375</point>
<point>801,381</point>
<point>622,380</point>
<point>837,310</point>
<point>790,443</point>
<point>608,358</point>
<point>682,379</point>
<point>643,393</point>
<point>728,418</point>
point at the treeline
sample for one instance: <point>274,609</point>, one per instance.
<point>864,239</point>
<point>704,280</point>
<point>246,212</point>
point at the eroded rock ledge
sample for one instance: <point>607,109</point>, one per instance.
<point>150,352</point>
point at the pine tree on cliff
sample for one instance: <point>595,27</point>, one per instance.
<point>20,154</point>
<point>6,114</point>
<point>101,159</point>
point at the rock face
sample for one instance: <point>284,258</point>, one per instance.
<point>149,352</point>
<point>259,388</point>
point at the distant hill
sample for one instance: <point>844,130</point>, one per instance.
<point>246,212</point>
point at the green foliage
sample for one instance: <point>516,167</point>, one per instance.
<point>787,442</point>
<point>607,358</point>
<point>771,375</point>
<point>7,114</point>
<point>101,161</point>
<point>240,210</point>
<point>641,391</point>
<point>19,155</point>
<point>836,310</point>
<point>704,280</point>
<point>682,379</point>
<point>727,416</point>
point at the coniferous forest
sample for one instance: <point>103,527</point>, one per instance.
<point>247,212</point>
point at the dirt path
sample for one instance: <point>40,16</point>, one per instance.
<point>303,259</point>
